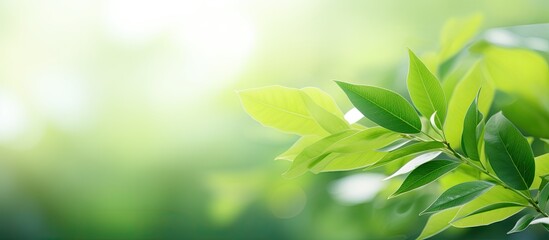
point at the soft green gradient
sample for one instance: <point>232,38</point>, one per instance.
<point>119,118</point>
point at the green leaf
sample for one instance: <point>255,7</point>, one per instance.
<point>458,195</point>
<point>495,195</point>
<point>523,74</point>
<point>522,223</point>
<point>544,181</point>
<point>470,136</point>
<point>544,220</point>
<point>425,90</point>
<point>284,109</point>
<point>415,148</point>
<point>542,169</point>
<point>490,208</point>
<point>395,145</point>
<point>509,153</point>
<point>414,163</point>
<point>464,93</point>
<point>456,33</point>
<point>349,161</point>
<point>365,140</point>
<point>328,121</point>
<point>314,153</point>
<point>384,107</point>
<point>543,197</point>
<point>297,147</point>
<point>438,222</point>
<point>426,174</point>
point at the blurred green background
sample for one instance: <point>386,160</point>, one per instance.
<point>119,118</point>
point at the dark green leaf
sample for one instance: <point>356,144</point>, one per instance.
<point>469,138</point>
<point>426,173</point>
<point>509,153</point>
<point>544,180</point>
<point>543,197</point>
<point>425,90</point>
<point>384,107</point>
<point>522,223</point>
<point>459,195</point>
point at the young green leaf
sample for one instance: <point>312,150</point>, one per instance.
<point>456,33</point>
<point>297,147</point>
<point>464,93</point>
<point>414,163</point>
<point>437,223</point>
<point>283,108</point>
<point>384,107</point>
<point>395,145</point>
<point>495,195</point>
<point>368,139</point>
<point>542,169</point>
<point>458,195</point>
<point>425,90</point>
<point>522,223</point>
<point>314,153</point>
<point>509,153</point>
<point>490,208</point>
<point>330,122</point>
<point>348,161</point>
<point>415,148</point>
<point>426,174</point>
<point>469,137</point>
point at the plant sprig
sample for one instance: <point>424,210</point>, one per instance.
<point>491,146</point>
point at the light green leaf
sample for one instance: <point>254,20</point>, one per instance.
<point>349,161</point>
<point>469,138</point>
<point>458,195</point>
<point>522,223</point>
<point>415,148</point>
<point>365,140</point>
<point>495,195</point>
<point>297,147</point>
<point>490,208</point>
<point>314,153</point>
<point>284,109</point>
<point>509,153</point>
<point>395,145</point>
<point>456,33</point>
<point>330,122</point>
<point>523,74</point>
<point>425,174</point>
<point>542,169</point>
<point>384,107</point>
<point>426,91</point>
<point>464,93</point>
<point>438,222</point>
